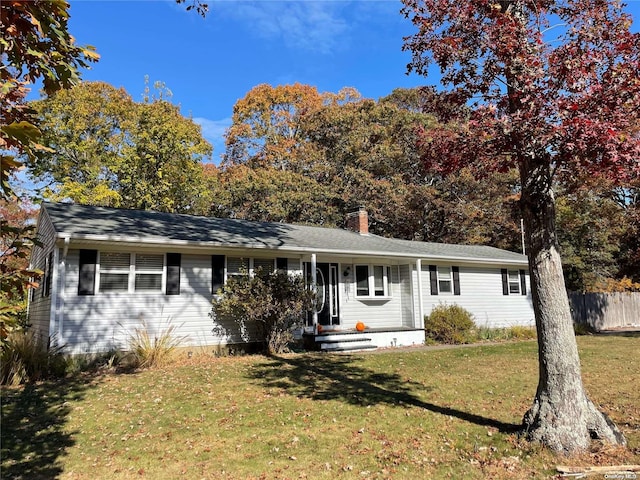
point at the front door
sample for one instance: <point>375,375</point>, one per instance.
<point>327,304</point>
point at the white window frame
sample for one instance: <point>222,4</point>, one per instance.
<point>131,273</point>
<point>262,260</point>
<point>444,277</point>
<point>101,270</point>
<point>243,261</point>
<point>513,282</point>
<point>142,271</point>
<point>371,281</point>
<point>249,262</point>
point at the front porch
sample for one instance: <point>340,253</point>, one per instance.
<point>339,340</point>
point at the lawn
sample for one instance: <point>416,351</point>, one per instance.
<point>396,414</point>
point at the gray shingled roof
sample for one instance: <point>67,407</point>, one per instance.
<point>80,222</point>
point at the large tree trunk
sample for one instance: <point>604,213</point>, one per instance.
<point>562,417</point>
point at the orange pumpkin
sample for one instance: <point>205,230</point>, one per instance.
<point>360,326</point>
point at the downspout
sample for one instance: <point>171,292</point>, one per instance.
<point>420,295</point>
<point>314,284</point>
<point>60,282</point>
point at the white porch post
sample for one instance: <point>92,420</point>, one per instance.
<point>314,281</point>
<point>420,296</point>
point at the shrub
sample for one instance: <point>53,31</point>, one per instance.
<point>516,332</point>
<point>275,303</point>
<point>520,332</point>
<point>583,329</point>
<point>94,362</point>
<point>150,350</point>
<point>27,357</point>
<point>449,324</point>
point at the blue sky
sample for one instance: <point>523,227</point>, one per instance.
<point>209,64</point>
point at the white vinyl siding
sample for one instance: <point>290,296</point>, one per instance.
<point>482,296</point>
<point>404,280</point>
<point>94,323</point>
<point>373,311</point>
<point>39,309</point>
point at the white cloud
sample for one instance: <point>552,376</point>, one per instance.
<point>316,26</point>
<point>213,131</point>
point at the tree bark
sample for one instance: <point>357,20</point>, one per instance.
<point>562,417</point>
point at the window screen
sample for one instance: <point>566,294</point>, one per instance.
<point>114,271</point>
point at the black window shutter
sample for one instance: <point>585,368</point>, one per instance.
<point>174,261</point>
<point>45,270</point>
<point>505,281</point>
<point>217,273</point>
<point>282,263</point>
<point>433,277</point>
<point>87,278</point>
<point>523,282</point>
<point>456,280</point>
<point>48,274</point>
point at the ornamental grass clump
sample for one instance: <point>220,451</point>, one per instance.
<point>148,350</point>
<point>449,324</point>
<point>27,357</point>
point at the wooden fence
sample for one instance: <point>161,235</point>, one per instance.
<point>604,311</point>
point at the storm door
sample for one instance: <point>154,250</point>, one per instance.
<point>327,304</point>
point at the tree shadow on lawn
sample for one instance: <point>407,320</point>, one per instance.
<point>34,438</point>
<point>336,377</point>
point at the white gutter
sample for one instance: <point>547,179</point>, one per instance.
<point>159,242</point>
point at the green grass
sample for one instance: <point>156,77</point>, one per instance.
<point>398,414</point>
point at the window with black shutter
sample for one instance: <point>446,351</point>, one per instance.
<point>505,281</point>
<point>48,274</point>
<point>282,263</point>
<point>523,282</point>
<point>456,280</point>
<point>87,274</point>
<point>217,273</point>
<point>433,279</point>
<point>173,273</point>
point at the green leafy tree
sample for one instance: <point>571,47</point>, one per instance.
<point>271,303</point>
<point>160,167</point>
<point>107,149</point>
<point>36,45</point>
<point>629,199</point>
<point>442,105</point>
<point>343,152</point>
<point>85,128</point>
<point>369,155</point>
<point>590,229</point>
<point>270,194</point>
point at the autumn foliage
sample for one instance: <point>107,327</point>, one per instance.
<point>555,90</point>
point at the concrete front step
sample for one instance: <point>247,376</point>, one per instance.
<point>346,347</point>
<point>342,343</point>
<point>342,336</point>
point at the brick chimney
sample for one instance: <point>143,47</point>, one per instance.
<point>358,221</point>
